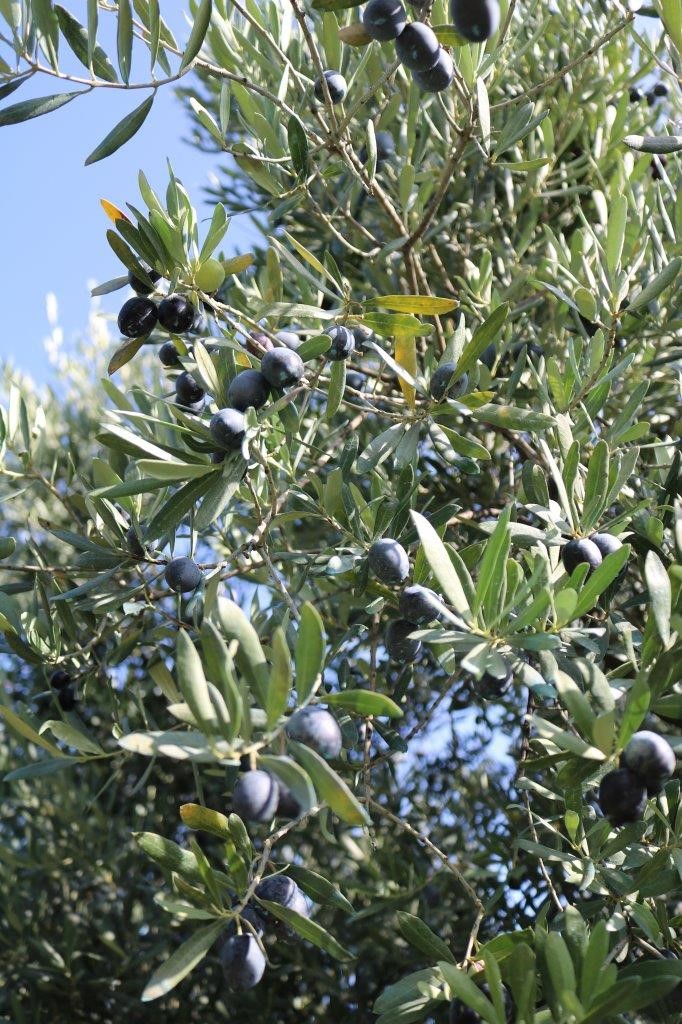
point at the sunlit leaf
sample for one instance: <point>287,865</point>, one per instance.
<point>200,25</point>
<point>28,109</point>
<point>330,786</point>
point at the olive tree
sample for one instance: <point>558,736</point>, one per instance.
<point>342,632</point>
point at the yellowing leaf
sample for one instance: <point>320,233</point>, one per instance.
<point>406,356</point>
<point>306,255</point>
<point>390,325</point>
<point>197,817</point>
<point>238,263</point>
<point>428,305</point>
<point>113,212</point>
<point>355,34</point>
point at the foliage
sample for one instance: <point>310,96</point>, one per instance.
<point>521,226</point>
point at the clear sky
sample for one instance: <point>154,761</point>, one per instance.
<point>52,225</point>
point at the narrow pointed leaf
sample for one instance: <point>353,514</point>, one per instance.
<point>154,31</point>
<point>320,889</point>
<point>24,111</point>
<point>169,855</point>
<point>250,656</point>
<point>330,786</point>
<point>298,145</point>
<point>293,777</point>
<point>25,729</point>
<point>482,337</point>
<point>219,670</point>
<point>600,580</point>
<point>309,930</point>
<point>124,353</point>
<point>659,283</point>
<point>309,651</point>
<point>182,961</point>
<point>280,678</point>
<point>422,938</point>
<point>124,38</point>
<point>660,594</point>
<point>406,357</point>
<point>654,143</point>
<point>92,27</point>
<point>441,566</point>
<point>204,819</point>
<point>196,39</point>
<point>364,702</point>
<point>77,38</point>
<point>468,991</point>
<point>192,681</point>
<point>120,133</point>
<point>424,305</point>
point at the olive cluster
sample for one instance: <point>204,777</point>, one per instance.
<point>281,367</point>
<point>259,796</point>
<point>416,43</point>
<point>656,92</point>
<point>646,763</point>
<point>418,605</point>
<point>139,315</point>
<point>175,313</point>
<point>242,956</point>
<point>590,550</point>
<point>61,682</point>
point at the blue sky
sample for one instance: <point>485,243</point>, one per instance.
<point>53,227</point>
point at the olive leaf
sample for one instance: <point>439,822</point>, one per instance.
<point>121,132</point>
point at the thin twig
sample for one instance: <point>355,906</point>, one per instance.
<point>404,826</point>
